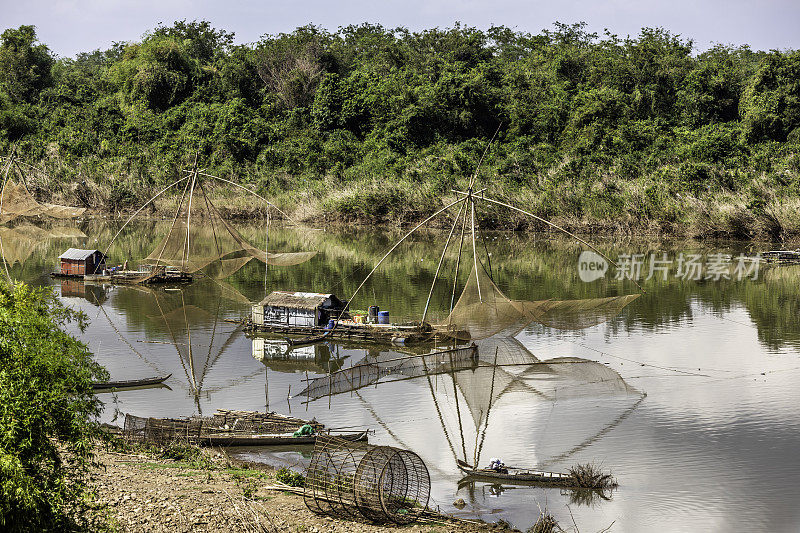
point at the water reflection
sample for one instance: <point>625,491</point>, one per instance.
<point>716,436</point>
<point>278,355</point>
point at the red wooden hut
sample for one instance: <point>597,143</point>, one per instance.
<point>77,262</point>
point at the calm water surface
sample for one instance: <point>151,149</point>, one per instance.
<point>689,396</point>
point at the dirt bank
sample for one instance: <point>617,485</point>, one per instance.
<point>142,493</point>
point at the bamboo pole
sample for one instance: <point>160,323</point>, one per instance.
<point>441,260</point>
<point>148,202</point>
<point>458,264</point>
<point>392,249</point>
<point>474,249</point>
<point>559,228</point>
<point>189,216</point>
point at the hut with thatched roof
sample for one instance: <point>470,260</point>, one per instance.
<point>298,309</point>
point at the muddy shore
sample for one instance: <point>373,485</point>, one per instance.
<point>139,493</point>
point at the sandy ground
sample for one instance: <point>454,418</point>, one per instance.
<point>146,494</point>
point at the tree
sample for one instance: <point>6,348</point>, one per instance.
<point>771,103</point>
<point>46,411</point>
<point>24,64</point>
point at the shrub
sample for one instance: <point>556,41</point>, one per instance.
<point>47,406</point>
<point>290,477</point>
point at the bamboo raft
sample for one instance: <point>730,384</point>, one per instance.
<point>228,428</point>
<point>520,476</point>
<point>398,335</point>
<point>129,277</point>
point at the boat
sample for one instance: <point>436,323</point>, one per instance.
<point>781,257</point>
<point>518,476</point>
<point>130,383</point>
<point>232,428</point>
<point>305,341</point>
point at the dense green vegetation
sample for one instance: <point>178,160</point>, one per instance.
<point>368,123</point>
<point>46,402</point>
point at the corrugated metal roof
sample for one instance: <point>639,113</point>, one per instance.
<point>77,253</point>
<point>296,300</point>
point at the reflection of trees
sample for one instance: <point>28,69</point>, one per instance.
<point>530,268</point>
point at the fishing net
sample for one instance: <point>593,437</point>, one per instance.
<point>206,241</point>
<point>370,370</point>
<point>358,480</point>
<point>483,310</point>
<point>16,201</point>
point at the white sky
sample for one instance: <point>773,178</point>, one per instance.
<point>72,26</point>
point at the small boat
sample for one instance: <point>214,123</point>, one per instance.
<point>781,256</point>
<point>231,428</point>
<point>305,341</point>
<point>519,476</point>
<point>130,383</point>
<point>275,439</point>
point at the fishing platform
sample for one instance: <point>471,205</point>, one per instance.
<point>90,265</point>
<point>318,316</point>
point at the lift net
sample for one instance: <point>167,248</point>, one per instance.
<point>372,369</point>
<point>16,201</point>
<point>483,310</point>
<point>206,241</point>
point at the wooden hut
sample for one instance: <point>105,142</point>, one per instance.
<point>78,262</point>
<point>296,309</point>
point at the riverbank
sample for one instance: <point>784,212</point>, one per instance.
<point>645,207</point>
<point>141,492</point>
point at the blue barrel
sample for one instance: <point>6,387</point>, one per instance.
<point>383,317</point>
<point>331,324</point>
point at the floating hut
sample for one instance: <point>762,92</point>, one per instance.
<point>296,309</point>
<point>78,262</point>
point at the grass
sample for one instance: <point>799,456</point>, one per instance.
<point>590,476</point>
<point>546,523</point>
<point>291,478</point>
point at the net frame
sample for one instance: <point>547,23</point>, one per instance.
<point>355,480</point>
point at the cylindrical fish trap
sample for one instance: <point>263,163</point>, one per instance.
<point>354,480</point>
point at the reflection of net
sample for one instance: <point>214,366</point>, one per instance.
<point>358,480</point>
<point>370,370</point>
<point>18,202</point>
<point>213,245</point>
<point>19,243</point>
<point>483,310</point>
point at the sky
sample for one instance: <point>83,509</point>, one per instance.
<point>72,26</point>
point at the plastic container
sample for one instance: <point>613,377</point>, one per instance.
<point>373,313</point>
<point>383,317</point>
<point>331,324</point>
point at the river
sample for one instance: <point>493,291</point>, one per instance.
<point>688,396</point>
